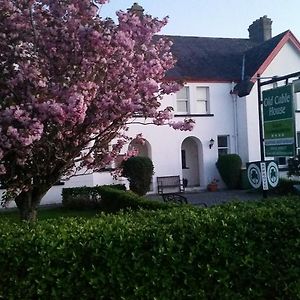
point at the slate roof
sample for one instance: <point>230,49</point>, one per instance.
<point>218,59</point>
<point>256,56</point>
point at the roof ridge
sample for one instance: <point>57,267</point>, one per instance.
<point>203,37</point>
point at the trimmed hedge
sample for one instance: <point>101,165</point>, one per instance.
<point>235,251</point>
<point>107,199</point>
<point>138,170</point>
<point>230,169</point>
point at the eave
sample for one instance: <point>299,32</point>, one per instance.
<point>288,37</point>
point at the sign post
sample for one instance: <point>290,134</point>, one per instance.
<point>277,138</point>
<point>279,121</point>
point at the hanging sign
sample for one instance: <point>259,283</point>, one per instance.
<point>279,121</point>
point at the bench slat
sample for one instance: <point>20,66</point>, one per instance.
<point>169,182</point>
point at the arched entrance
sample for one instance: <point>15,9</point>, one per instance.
<point>143,148</point>
<point>191,160</point>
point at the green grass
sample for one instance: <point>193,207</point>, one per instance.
<point>49,213</point>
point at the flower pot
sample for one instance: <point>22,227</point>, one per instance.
<point>185,182</point>
<point>212,187</point>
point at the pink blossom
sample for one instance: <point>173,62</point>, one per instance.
<point>187,124</point>
<point>2,169</point>
<point>70,82</point>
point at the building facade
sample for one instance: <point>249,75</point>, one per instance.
<point>220,94</point>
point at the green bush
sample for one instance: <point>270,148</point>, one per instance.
<point>138,170</point>
<point>113,201</point>
<point>235,251</point>
<point>229,166</point>
<point>106,199</point>
<point>294,166</point>
<point>285,186</point>
<point>85,197</point>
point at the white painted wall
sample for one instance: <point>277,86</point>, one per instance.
<point>287,61</point>
<point>252,114</point>
<point>166,142</point>
<point>242,129</point>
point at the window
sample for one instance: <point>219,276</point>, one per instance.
<point>202,100</point>
<point>297,101</point>
<point>183,159</point>
<point>223,144</point>
<point>281,161</point>
<point>182,100</point>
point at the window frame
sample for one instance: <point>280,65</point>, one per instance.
<point>200,100</point>
<point>184,100</point>
<point>227,147</point>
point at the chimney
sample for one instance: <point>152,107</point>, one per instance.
<point>260,30</point>
<point>136,9</point>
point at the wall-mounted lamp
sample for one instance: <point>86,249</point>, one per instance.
<point>211,143</point>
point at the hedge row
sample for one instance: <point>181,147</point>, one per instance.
<point>107,199</point>
<point>235,251</point>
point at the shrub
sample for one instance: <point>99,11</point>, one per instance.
<point>114,201</point>
<point>294,166</point>
<point>235,251</point>
<point>285,186</point>
<point>229,166</point>
<point>85,197</point>
<point>138,170</point>
<point>106,199</point>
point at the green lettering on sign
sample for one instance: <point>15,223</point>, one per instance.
<point>280,150</point>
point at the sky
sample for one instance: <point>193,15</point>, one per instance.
<point>216,18</point>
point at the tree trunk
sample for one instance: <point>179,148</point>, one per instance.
<point>27,203</point>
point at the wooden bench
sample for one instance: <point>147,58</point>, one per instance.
<point>169,182</point>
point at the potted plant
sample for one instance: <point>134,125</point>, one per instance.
<point>213,185</point>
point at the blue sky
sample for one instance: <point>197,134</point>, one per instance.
<point>216,18</point>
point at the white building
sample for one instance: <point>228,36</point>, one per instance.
<point>220,94</point>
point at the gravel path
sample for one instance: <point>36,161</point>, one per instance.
<point>218,197</point>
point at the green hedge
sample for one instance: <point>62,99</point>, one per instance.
<point>107,199</point>
<point>138,170</point>
<point>285,186</point>
<point>235,251</point>
<point>230,169</point>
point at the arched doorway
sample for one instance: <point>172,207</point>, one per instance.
<point>143,148</point>
<point>191,160</point>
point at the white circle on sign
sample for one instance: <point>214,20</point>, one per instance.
<point>273,174</point>
<point>254,175</point>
